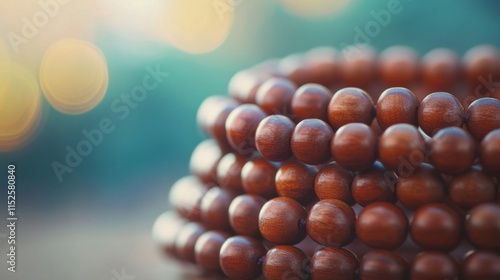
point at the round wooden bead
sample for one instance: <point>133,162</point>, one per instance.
<point>244,214</point>
<point>310,141</point>
<point>293,67</point>
<point>323,66</point>
<point>354,146</point>
<point>281,221</point>
<point>483,226</point>
<point>434,265</point>
<point>374,184</point>
<point>333,263</point>
<point>258,177</point>
<point>332,181</point>
<point>204,162</point>
<point>165,230</point>
<point>399,65</point>
<point>207,250</point>
<point>275,96</point>
<point>483,116</point>
<point>401,149</point>
<point>380,264</point>
<point>186,241</point>
<point>350,105</point>
<point>214,208</point>
<point>229,172</point>
<point>285,262</point>
<point>481,265</point>
<point>482,61</point>
<point>358,67</point>
<point>295,180</point>
<point>452,151</point>
<point>243,85</point>
<point>331,223</point>
<point>382,225</point>
<point>241,125</point>
<point>436,227</point>
<point>439,110</point>
<point>440,69</point>
<point>273,136</point>
<point>240,257</point>
<point>396,105</point>
<point>311,102</point>
<point>490,152</point>
<point>472,188</point>
<point>424,186</point>
<point>185,197</point>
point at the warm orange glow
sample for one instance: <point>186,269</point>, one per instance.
<point>314,8</point>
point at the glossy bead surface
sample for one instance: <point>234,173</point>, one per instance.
<point>354,146</point>
<point>185,197</point>
<point>311,102</point>
<point>243,85</point>
<point>374,184</point>
<point>295,180</point>
<point>323,66</point>
<point>293,67</point>
<point>359,64</point>
<point>399,66</point>
<point>273,136</point>
<point>310,141</point>
<point>275,96</point>
<point>483,226</point>
<point>490,152</point>
<point>481,265</point>
<point>244,214</point>
<point>401,149</point>
<point>165,230</point>
<point>396,105</point>
<point>440,69</point>
<point>214,208</point>
<point>186,241</point>
<point>472,188</point>
<point>483,116</point>
<point>285,262</point>
<point>332,181</point>
<point>333,263</point>
<point>482,61</point>
<point>424,186</point>
<point>452,151</point>
<point>380,264</point>
<point>434,266</point>
<point>350,105</point>
<point>382,225</point>
<point>241,125</point>
<point>204,161</point>
<point>258,177</point>
<point>239,257</point>
<point>229,172</point>
<point>207,250</point>
<point>279,214</point>
<point>331,223</point>
<point>439,110</point>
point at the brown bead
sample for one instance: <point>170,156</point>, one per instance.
<point>241,125</point>
<point>243,85</point>
<point>481,265</point>
<point>275,96</point>
<point>440,69</point>
<point>396,105</point>
<point>434,266</point>
<point>323,66</point>
<point>273,136</point>
<point>204,161</point>
<point>333,263</point>
<point>354,146</point>
<point>244,214</point>
<point>207,250</point>
<point>401,149</point>
<point>185,197</point>
<point>483,226</point>
<point>214,208</point>
<point>311,102</point>
<point>424,186</point>
<point>358,68</point>
<point>399,65</point>
<point>350,105</point>
<point>380,264</point>
<point>293,67</point>
<point>382,225</point>
<point>482,61</point>
<point>436,227</point>
<point>490,152</point>
<point>483,116</point>
<point>282,221</point>
<point>295,180</point>
<point>331,223</point>
<point>374,184</point>
<point>285,262</point>
<point>439,110</point>
<point>165,230</point>
<point>229,172</point>
<point>452,151</point>
<point>472,188</point>
<point>310,141</point>
<point>186,241</point>
<point>332,181</point>
<point>258,177</point>
<point>240,257</point>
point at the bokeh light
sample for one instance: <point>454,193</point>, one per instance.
<point>315,8</point>
<point>74,76</point>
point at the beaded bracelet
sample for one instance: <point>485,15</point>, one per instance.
<point>297,182</point>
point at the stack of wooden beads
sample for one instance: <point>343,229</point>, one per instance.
<point>306,176</point>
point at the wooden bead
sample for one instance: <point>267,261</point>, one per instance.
<point>186,241</point>
<point>452,151</point>
<point>396,105</point>
<point>243,85</point>
<point>354,146</point>
<point>333,263</point>
<point>258,177</point>
<point>165,230</point>
<point>214,208</point>
<point>332,181</point>
<point>293,67</point>
<point>483,116</point>
<point>310,141</point>
<point>358,68</point>
<point>482,61</point>
<point>185,197</point>
<point>207,250</point>
<point>399,65</point>
<point>350,105</point>
<point>281,221</point>
<point>401,149</point>
<point>285,262</point>
<point>244,214</point>
<point>439,110</point>
<point>436,227</point>
<point>382,225</point>
<point>424,186</point>
<point>440,69</point>
<point>273,136</point>
<point>323,65</point>
<point>380,264</point>
<point>331,223</point>
<point>295,180</point>
<point>241,125</point>
<point>490,152</point>
<point>240,257</point>
<point>275,96</point>
<point>434,266</point>
<point>472,188</point>
<point>229,172</point>
<point>374,184</point>
<point>311,102</point>
<point>483,226</point>
<point>204,161</point>
<point>481,265</point>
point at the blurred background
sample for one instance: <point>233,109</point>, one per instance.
<point>70,68</point>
